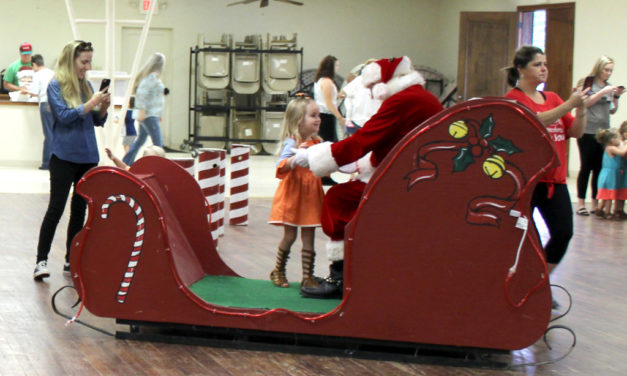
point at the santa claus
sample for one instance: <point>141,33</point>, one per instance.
<point>406,104</point>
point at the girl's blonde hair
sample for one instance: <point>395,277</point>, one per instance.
<point>73,89</point>
<point>622,129</point>
<point>154,150</point>
<point>294,116</point>
<point>154,64</point>
<point>605,136</point>
<point>601,62</point>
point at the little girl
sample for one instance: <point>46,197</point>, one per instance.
<point>298,198</point>
<point>610,177</point>
<point>622,190</point>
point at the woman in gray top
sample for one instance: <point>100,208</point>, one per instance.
<point>603,102</point>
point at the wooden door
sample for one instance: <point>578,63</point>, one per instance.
<point>487,42</point>
<point>559,45</point>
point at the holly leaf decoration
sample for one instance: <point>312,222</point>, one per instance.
<point>503,144</point>
<point>462,160</point>
<point>487,125</point>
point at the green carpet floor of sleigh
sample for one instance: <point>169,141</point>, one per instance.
<point>254,293</point>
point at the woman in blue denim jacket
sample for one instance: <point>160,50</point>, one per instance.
<point>148,90</point>
<point>76,109</point>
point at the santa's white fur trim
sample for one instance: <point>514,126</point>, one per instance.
<point>335,250</point>
<point>403,67</point>
<point>371,74</point>
<point>365,168</point>
<point>397,84</point>
<point>321,161</point>
<point>380,91</point>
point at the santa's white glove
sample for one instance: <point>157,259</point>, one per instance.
<point>301,157</point>
<point>349,168</point>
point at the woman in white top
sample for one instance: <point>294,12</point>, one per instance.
<point>325,95</point>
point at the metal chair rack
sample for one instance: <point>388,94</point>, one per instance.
<point>228,104</point>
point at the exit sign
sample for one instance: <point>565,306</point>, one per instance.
<point>144,6</point>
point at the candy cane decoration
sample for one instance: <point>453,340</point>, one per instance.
<point>137,245</point>
<point>238,202</point>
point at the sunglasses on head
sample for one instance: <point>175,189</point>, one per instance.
<point>84,46</point>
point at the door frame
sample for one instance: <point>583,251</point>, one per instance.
<point>555,65</point>
<point>465,44</point>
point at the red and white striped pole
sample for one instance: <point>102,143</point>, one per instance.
<point>238,202</point>
<point>221,192</point>
<point>209,181</point>
<point>187,163</point>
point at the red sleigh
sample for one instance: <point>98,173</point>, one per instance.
<point>442,250</point>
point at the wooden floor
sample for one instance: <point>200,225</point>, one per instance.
<point>34,341</point>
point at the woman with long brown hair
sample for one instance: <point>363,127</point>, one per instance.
<point>326,95</point>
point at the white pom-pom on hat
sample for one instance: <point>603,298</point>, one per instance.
<point>389,76</point>
<point>385,69</point>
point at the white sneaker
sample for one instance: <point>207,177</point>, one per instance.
<point>41,270</point>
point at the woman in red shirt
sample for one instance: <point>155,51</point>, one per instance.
<point>551,195</point>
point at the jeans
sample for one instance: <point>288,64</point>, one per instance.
<point>150,126</point>
<point>62,175</point>
<point>47,121</point>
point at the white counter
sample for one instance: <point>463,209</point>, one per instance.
<point>21,135</point>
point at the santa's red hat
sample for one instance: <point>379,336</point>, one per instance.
<point>389,76</point>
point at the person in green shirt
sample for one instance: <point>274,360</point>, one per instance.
<point>10,76</point>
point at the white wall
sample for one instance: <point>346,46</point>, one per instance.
<point>352,30</point>
<point>597,32</point>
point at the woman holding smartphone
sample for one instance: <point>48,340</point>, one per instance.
<point>76,109</point>
<point>602,103</point>
<point>148,90</point>
<point>551,195</point>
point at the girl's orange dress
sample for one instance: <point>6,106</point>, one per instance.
<point>298,198</point>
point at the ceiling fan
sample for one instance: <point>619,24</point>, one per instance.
<point>264,3</point>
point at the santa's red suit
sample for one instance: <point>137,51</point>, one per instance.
<point>406,104</point>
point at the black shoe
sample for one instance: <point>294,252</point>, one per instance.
<point>42,167</point>
<point>327,180</point>
<point>329,289</point>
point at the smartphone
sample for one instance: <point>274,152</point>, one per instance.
<point>105,84</point>
<point>587,83</point>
